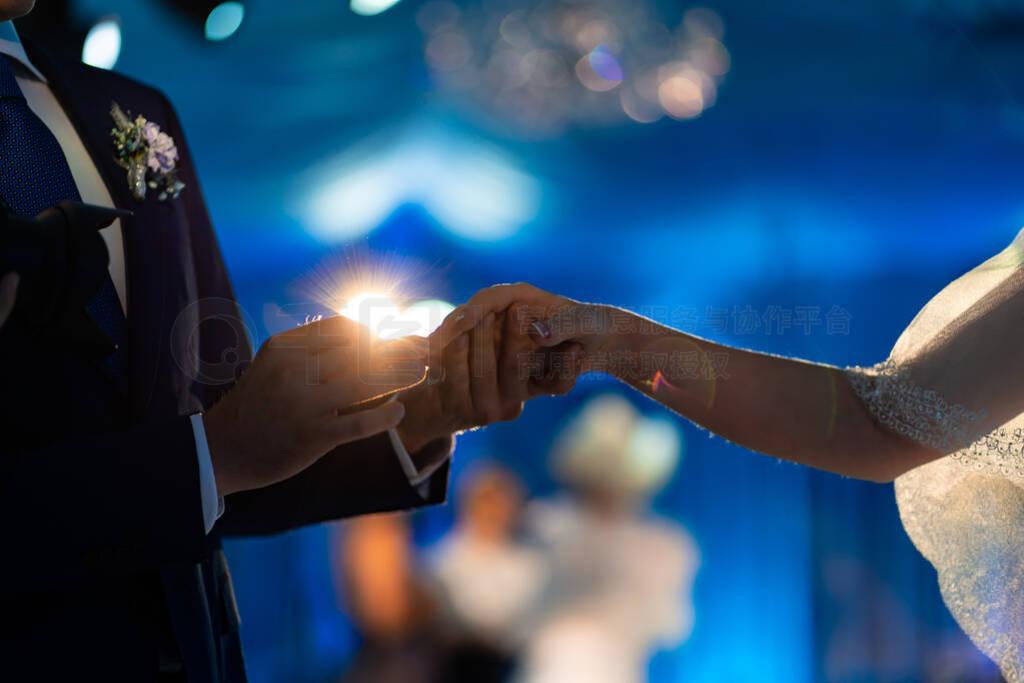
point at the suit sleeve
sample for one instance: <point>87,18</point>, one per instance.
<point>358,478</point>
<point>113,504</point>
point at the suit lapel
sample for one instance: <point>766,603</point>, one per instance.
<point>154,259</point>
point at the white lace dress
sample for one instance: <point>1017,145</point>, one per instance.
<point>955,382</point>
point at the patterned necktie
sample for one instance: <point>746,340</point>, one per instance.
<point>34,175</point>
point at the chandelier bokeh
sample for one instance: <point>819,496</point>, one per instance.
<point>544,65</point>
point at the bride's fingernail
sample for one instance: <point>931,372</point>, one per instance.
<point>542,330</point>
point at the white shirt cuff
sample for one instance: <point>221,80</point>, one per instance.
<point>213,505</point>
<point>420,479</point>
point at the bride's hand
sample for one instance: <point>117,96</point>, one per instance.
<point>532,305</point>
<point>534,320</point>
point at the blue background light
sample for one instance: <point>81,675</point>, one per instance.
<point>103,44</point>
<point>224,20</point>
<point>858,157</point>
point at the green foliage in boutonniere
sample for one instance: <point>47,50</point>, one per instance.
<point>147,153</point>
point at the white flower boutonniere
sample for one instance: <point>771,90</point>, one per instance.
<point>148,153</point>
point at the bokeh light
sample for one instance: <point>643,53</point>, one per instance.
<point>599,70</point>
<point>518,65</point>
<point>701,21</point>
<point>224,20</point>
<point>639,98</point>
<point>102,44</point>
<point>472,190</point>
<point>448,51</point>
<point>368,8</point>
<point>681,92</point>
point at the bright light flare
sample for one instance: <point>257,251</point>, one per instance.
<point>374,310</point>
<point>427,315</point>
<point>383,316</point>
<point>102,44</point>
<point>658,380</point>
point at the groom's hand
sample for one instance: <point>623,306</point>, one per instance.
<point>465,388</point>
<point>485,374</point>
<point>303,395</point>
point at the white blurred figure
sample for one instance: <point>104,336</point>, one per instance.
<point>622,578</point>
<point>491,583</point>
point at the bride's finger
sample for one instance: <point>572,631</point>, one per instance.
<point>572,324</point>
<point>493,299</point>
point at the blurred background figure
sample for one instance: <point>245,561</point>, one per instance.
<point>490,581</point>
<point>388,603</point>
<point>622,577</point>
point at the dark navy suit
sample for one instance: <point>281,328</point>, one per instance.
<point>106,570</point>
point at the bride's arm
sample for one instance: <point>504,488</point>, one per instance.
<point>799,411</point>
<point>804,412</point>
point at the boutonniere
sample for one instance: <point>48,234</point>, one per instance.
<point>147,153</point>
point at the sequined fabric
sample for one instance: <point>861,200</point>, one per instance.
<point>954,381</point>
<point>926,417</point>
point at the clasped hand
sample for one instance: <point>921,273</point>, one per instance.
<point>482,371</point>
<point>312,388</point>
<point>308,390</point>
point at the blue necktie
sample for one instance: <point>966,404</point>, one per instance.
<point>34,175</point>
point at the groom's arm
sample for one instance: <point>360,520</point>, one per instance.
<point>354,479</point>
